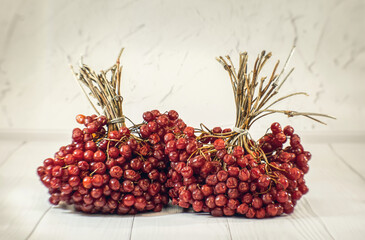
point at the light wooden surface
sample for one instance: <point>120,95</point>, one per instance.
<point>333,209</point>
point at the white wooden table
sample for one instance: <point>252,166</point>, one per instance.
<point>334,208</point>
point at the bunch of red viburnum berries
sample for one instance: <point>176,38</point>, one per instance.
<point>111,168</point>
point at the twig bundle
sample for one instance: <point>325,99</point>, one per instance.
<point>106,92</point>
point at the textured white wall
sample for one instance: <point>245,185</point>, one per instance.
<point>169,61</point>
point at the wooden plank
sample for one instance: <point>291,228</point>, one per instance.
<point>174,223</point>
<point>24,199</point>
<point>349,154</point>
<point>7,148</point>
<point>336,195</point>
<point>61,223</point>
<point>302,224</point>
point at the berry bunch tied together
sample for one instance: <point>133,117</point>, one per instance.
<point>108,167</point>
<point>223,182</point>
<point>224,171</point>
<point>112,172</point>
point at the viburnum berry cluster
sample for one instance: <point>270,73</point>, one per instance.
<point>109,168</point>
<point>226,172</point>
<point>117,173</point>
<point>213,180</point>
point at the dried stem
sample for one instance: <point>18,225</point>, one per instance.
<point>105,92</point>
<point>255,98</point>
<point>252,93</point>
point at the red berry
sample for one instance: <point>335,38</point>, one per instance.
<point>301,160</point>
<point>280,137</point>
<point>221,200</point>
<point>78,154</point>
<point>77,135</point>
<point>264,181</point>
<point>232,182</point>
<point>115,135</point>
<point>136,164</point>
<point>80,118</point>
<point>181,143</point>
<point>173,115</point>
<point>275,128</point>
<point>97,180</point>
<point>296,195</point>
<point>271,210</point>
<point>92,127</point>
<point>73,170</point>
<point>162,120</point>
<point>102,120</point>
<point>294,173</point>
<point>303,188</point>
<point>288,131</point>
<point>217,130</point>
<point>99,156</point>
<point>57,171</point>
<point>250,213</point>
<point>282,182</point>
<point>187,172</point>
<point>255,173</point>
<point>189,131</point>
<point>244,175</point>
<point>221,187</point>
<point>48,162</point>
<point>144,130</point>
<point>74,181</point>
<point>114,184</point>
<point>196,162</point>
<point>238,151</point>
<point>242,162</point>
<point>207,190</point>
<point>124,131</point>
<point>126,151</point>
<point>222,176</point>
<point>243,187</point>
<point>128,186</point>
<point>86,182</point>
<point>242,209</point>
<point>288,207</point>
<point>219,144</point>
<point>140,203</point>
<point>168,137</point>
<point>282,196</point>
<point>229,159</point>
<point>152,126</point>
<point>197,194</point>
<point>129,200</point>
<point>256,202</point>
<point>233,171</point>
<point>148,116</point>
<point>98,167</point>
<point>90,145</point>
<point>116,172</point>
<point>198,206</point>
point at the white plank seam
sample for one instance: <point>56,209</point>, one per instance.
<point>38,222</point>
<point>346,163</point>
<point>229,229</point>
<point>12,152</point>
<point>130,234</point>
<point>310,210</point>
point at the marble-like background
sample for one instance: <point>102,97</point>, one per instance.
<point>169,61</point>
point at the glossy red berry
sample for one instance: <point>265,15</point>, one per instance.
<point>219,144</point>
